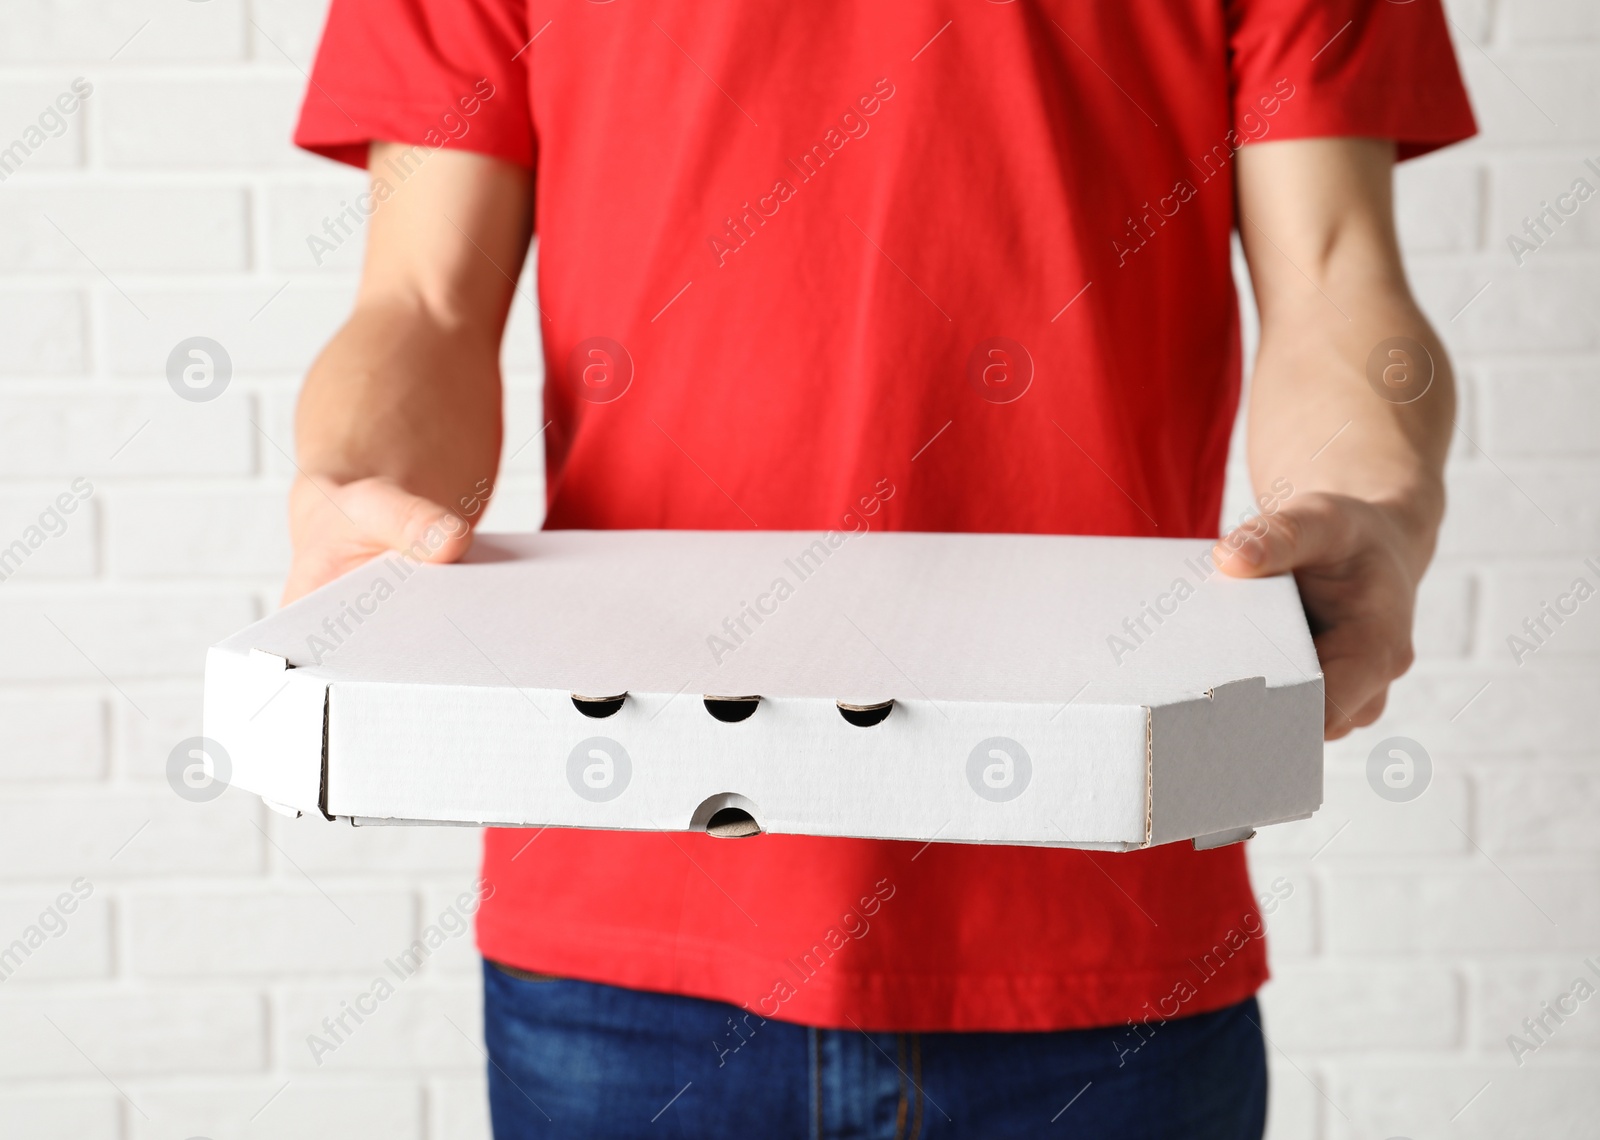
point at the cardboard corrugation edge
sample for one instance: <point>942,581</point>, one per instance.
<point>1149,774</point>
<point>322,791</point>
<point>265,715</point>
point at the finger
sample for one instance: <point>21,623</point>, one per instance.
<point>1372,710</point>
<point>302,579</point>
<point>1337,724</point>
<point>1313,530</point>
<point>390,516</point>
<point>1359,660</point>
<point>314,567</point>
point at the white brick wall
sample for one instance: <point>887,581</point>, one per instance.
<point>176,999</point>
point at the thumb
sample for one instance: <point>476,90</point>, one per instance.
<point>1310,530</point>
<point>388,515</point>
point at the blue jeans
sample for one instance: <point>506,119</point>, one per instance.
<point>575,1059</point>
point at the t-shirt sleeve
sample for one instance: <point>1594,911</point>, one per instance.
<point>436,73</point>
<point>1368,68</point>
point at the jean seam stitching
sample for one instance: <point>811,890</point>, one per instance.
<point>816,1083</point>
<point>916,1084</point>
<point>900,1086</point>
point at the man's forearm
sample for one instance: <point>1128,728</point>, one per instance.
<point>398,428</point>
<point>409,388</point>
<point>1336,315</point>
<point>399,394</point>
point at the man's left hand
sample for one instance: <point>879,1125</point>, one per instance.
<point>1357,570</point>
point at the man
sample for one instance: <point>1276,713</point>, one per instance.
<point>975,255</point>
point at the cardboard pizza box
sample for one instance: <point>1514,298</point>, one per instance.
<point>1106,693</point>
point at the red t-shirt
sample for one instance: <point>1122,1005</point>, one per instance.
<point>940,267</point>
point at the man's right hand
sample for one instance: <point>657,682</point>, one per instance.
<point>398,427</point>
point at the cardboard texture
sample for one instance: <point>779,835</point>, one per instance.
<point>1029,689</point>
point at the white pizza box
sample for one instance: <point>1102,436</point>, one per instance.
<point>1107,693</point>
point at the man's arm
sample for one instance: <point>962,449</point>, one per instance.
<point>398,424</point>
<point>1366,470</point>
